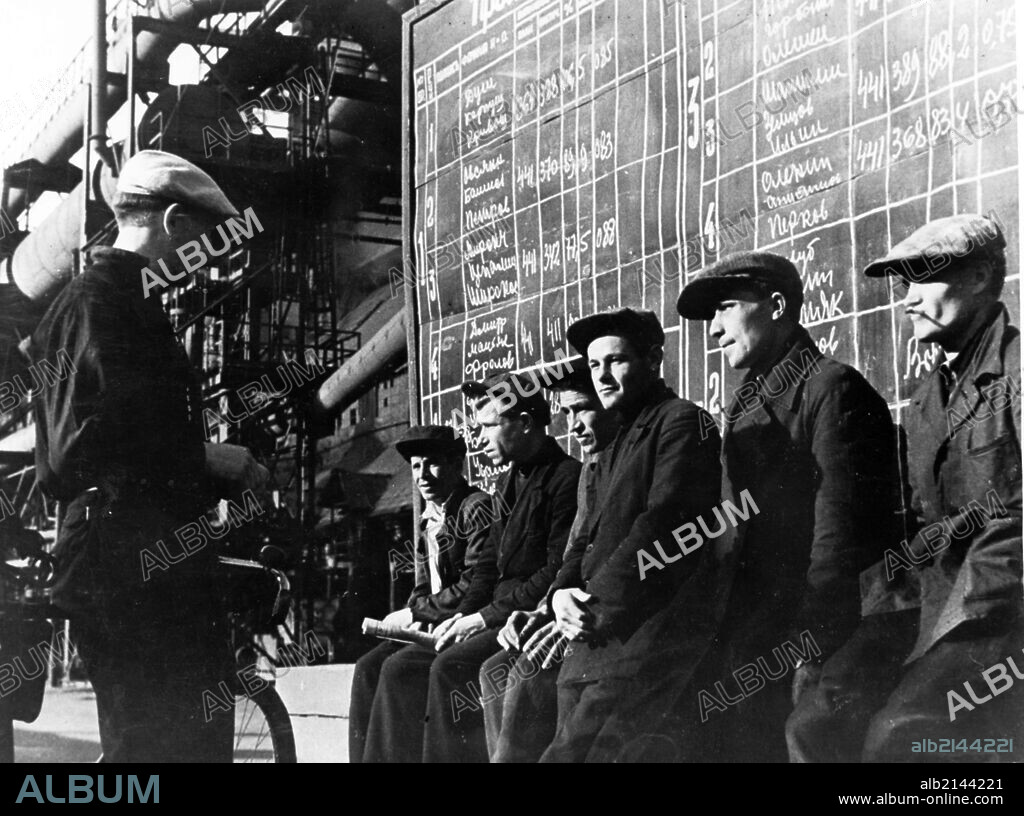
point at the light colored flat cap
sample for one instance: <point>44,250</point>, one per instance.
<point>938,244</point>
<point>156,173</point>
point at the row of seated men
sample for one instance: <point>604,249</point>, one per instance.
<point>749,593</point>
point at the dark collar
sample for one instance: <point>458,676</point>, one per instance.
<point>122,269</point>
<point>549,452</point>
<point>658,394</point>
<point>782,382</point>
<point>982,356</point>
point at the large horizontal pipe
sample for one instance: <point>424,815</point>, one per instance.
<point>358,372</point>
<point>62,137</point>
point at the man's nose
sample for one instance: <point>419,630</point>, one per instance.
<point>716,329</point>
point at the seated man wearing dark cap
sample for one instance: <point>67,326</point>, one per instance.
<point>454,523</point>
<point>427,703</point>
<point>123,443</point>
<point>520,718</point>
<point>812,445</point>
<point>659,473</point>
<point>961,679</point>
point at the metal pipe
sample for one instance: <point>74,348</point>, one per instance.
<point>359,371</point>
<point>98,123</point>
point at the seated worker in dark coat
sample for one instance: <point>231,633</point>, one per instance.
<point>520,719</point>
<point>122,443</point>
<point>960,679</point>
<point>454,523</point>
<point>811,445</point>
<point>427,704</point>
<point>659,473</point>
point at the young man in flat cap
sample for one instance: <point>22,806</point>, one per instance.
<point>961,678</point>
<point>123,444</point>
<point>659,473</point>
<point>813,445</point>
<point>520,719</point>
<point>427,703</point>
<point>454,524</point>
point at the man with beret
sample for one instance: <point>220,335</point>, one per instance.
<point>520,719</point>
<point>454,523</point>
<point>659,473</point>
<point>964,467</point>
<point>812,445</point>
<point>428,704</point>
<point>122,443</point>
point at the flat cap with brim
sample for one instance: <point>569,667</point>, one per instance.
<point>699,298</point>
<point>643,328</point>
<point>566,374</point>
<point>938,244</point>
<point>164,175</point>
<point>425,440</point>
<point>515,393</point>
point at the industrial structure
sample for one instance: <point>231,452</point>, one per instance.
<point>294,108</point>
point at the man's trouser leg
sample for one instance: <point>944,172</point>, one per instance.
<point>922,708</point>
<point>364,686</point>
<point>455,727</point>
<point>831,720</point>
<point>395,732</point>
<point>158,692</point>
<point>583,710</point>
<point>529,715</point>
<point>493,710</point>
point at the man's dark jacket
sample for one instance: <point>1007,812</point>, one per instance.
<point>527,540</point>
<point>127,421</point>
<point>460,541</point>
<point>965,472</point>
<point>661,472</point>
<point>814,445</point>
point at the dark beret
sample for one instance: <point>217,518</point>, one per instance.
<point>642,329</point>
<point>424,440</point>
<point>699,298</point>
<point>938,243</point>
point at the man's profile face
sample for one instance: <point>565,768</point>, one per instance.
<point>621,376</point>
<point>436,476</point>
<point>589,424</point>
<point>743,326</point>
<point>939,308</point>
<point>504,437</point>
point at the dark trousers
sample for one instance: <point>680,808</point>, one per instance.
<point>583,710</point>
<point>364,687</point>
<point>875,711</point>
<point>520,718</point>
<point>830,721</point>
<point>427,705</point>
<point>159,696</point>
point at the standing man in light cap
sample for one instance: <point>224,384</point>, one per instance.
<point>813,445</point>
<point>659,473</point>
<point>964,463</point>
<point>122,443</point>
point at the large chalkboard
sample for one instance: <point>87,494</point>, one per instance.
<point>568,156</point>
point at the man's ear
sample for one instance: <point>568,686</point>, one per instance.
<point>656,355</point>
<point>172,220</point>
<point>778,302</point>
<point>528,421</point>
<point>979,278</point>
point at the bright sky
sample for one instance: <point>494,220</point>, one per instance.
<point>38,39</point>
